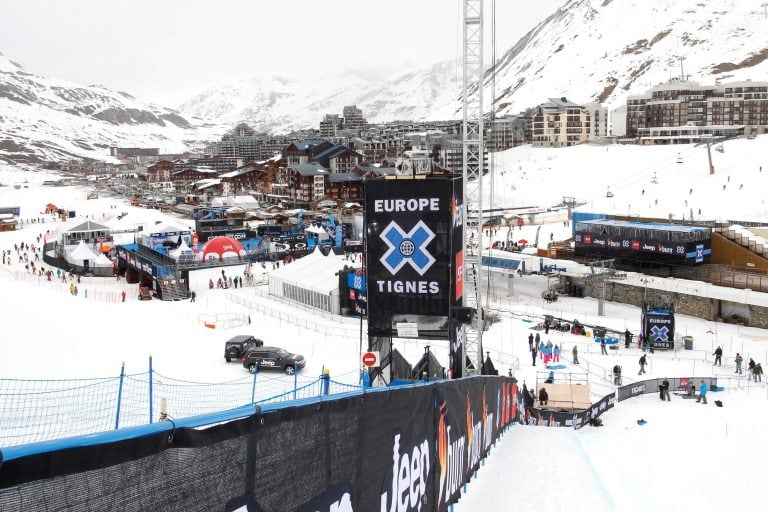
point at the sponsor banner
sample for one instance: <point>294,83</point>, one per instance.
<point>643,248</point>
<point>356,281</point>
<point>678,385</point>
<point>409,254</point>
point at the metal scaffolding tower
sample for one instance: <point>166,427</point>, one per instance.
<point>473,181</point>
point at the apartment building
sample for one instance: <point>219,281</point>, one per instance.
<point>738,107</point>
<point>560,123</point>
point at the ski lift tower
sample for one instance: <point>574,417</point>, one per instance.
<point>600,272</point>
<point>472,145</point>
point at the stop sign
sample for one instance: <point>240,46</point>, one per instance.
<point>371,359</point>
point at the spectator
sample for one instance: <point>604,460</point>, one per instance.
<point>550,378</point>
<point>602,346</point>
<point>533,355</point>
<point>530,341</point>
<point>702,392</point>
<point>541,350</point>
<point>642,362</point>
<point>664,390</point>
<point>617,375</point>
<point>738,361</point>
<point>192,296</point>
<point>122,294</point>
<point>751,366</point>
<point>556,354</point>
<point>575,352</point>
<point>758,372</point>
<point>718,356</point>
<point>543,396</point>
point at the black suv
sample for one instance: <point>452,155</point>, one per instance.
<point>238,346</point>
<point>272,358</point>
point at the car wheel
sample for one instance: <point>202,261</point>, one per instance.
<point>252,368</point>
<point>229,359</point>
<point>289,369</point>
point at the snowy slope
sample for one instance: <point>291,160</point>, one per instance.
<point>542,176</point>
<point>604,50</point>
<point>588,50</point>
<point>279,104</point>
<point>44,118</point>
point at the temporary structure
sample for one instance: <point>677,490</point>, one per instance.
<point>312,280</point>
<point>221,248</point>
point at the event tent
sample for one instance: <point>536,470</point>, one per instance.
<point>312,280</point>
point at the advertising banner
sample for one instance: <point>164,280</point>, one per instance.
<point>409,254</point>
<point>640,248</point>
<point>659,328</point>
<point>457,330</point>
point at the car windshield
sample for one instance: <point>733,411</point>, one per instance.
<point>283,353</point>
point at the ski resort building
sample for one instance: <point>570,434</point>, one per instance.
<point>716,110</point>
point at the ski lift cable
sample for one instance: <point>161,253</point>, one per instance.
<point>641,175</point>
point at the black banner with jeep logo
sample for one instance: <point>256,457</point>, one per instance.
<point>401,449</point>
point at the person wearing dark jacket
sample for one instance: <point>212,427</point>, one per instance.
<point>533,355</point>
<point>718,356</point>
<point>530,341</point>
<point>642,365</point>
<point>664,390</point>
<point>543,396</point>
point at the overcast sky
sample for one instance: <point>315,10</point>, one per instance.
<point>169,50</point>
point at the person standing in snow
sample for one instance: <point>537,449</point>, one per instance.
<point>702,393</point>
<point>602,346</point>
<point>556,354</point>
<point>664,390</point>
<point>541,350</point>
<point>575,352</point>
<point>530,341</point>
<point>642,362</point>
<point>738,361</point>
<point>718,356</point>
<point>543,396</point>
<point>758,373</point>
<point>533,354</point>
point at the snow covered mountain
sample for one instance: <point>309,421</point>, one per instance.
<point>605,50</point>
<point>279,104</point>
<point>44,118</point>
<point>588,50</point>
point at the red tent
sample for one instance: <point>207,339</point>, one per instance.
<point>221,248</point>
<point>51,208</point>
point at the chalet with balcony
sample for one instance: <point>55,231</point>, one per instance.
<point>338,159</point>
<point>160,171</point>
<point>304,183</point>
<point>345,186</point>
<point>182,180</point>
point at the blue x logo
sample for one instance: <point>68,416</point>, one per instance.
<point>407,247</point>
<point>659,333</point>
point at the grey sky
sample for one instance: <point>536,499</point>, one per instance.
<point>169,50</point>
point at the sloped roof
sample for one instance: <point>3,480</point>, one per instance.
<point>341,177</point>
<point>313,169</point>
<point>82,225</point>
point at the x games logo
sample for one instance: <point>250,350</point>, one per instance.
<point>407,248</point>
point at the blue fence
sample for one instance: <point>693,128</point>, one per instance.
<point>42,410</point>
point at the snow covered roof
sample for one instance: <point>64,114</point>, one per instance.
<point>166,227</point>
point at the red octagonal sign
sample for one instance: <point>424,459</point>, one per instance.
<point>371,359</point>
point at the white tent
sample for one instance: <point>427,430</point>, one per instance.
<point>311,280</point>
<point>102,261</point>
<point>81,253</point>
<point>181,251</point>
